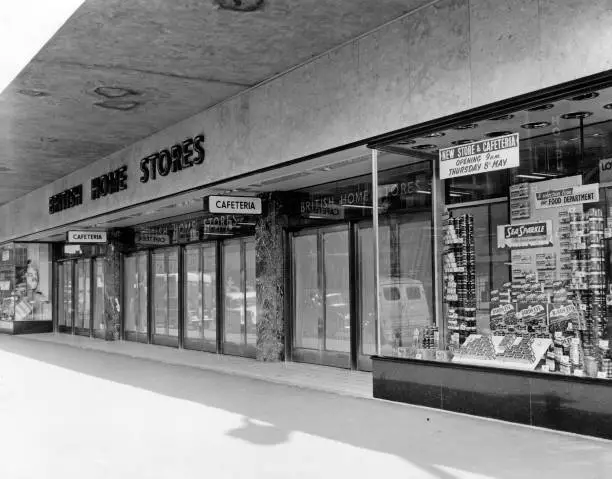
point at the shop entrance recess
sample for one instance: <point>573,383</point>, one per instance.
<point>81,297</point>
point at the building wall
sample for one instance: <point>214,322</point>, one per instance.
<point>447,57</point>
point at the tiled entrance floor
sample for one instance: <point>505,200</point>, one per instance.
<point>338,381</point>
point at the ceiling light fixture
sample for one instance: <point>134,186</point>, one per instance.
<point>608,106</point>
<point>424,147</point>
<point>406,142</point>
<point>469,126</point>
<point>462,142</point>
<point>502,117</point>
<point>495,134</point>
<point>585,96</point>
<point>575,115</point>
<point>535,125</point>
<point>33,93</point>
<point>546,106</point>
<point>530,177</point>
<point>437,134</point>
<point>240,5</point>
<point>114,91</point>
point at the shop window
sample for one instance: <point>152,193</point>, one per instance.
<point>25,282</point>
<point>522,243</point>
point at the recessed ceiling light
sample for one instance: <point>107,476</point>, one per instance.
<point>608,106</point>
<point>406,142</point>
<point>534,125</point>
<point>240,5</point>
<point>469,126</point>
<point>114,91</point>
<point>502,117</point>
<point>585,96</point>
<point>122,105</point>
<point>546,106</point>
<point>495,134</point>
<point>437,134</point>
<point>576,114</point>
<point>462,142</point>
<point>33,93</point>
<point>424,147</point>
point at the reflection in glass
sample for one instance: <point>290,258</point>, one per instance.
<point>98,306</point>
<point>337,308</point>
<point>83,304</point>
<point>308,299</point>
<point>367,306</point>
<point>200,293</point>
<point>65,316</point>
<point>251,299</point>
<point>234,293</point>
<point>165,293</point>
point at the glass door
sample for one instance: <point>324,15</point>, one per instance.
<point>165,297</point>
<point>136,305</point>
<point>65,300</point>
<point>200,300</point>
<point>99,321</point>
<point>82,314</point>
<point>322,296</point>
<point>239,297</point>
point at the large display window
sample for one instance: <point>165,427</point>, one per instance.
<point>25,282</point>
<point>520,226</point>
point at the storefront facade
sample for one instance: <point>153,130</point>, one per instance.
<point>433,208</point>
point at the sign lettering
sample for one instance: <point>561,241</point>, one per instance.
<point>480,157</point>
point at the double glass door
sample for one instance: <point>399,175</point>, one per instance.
<point>136,287</point>
<point>81,296</point>
<point>333,268</point>
<point>201,297</point>
<point>322,296</point>
<point>165,312</point>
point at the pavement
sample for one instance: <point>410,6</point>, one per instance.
<point>76,412</point>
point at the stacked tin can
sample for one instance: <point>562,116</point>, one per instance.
<point>463,279</point>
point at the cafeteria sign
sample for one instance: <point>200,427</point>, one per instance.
<point>525,235</point>
<point>570,196</point>
<point>243,205</point>
<point>480,157</point>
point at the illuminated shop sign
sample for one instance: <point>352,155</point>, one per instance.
<point>570,196</point>
<point>178,157</point>
<point>480,157</point>
<point>525,235</point>
<point>109,183</point>
<point>66,199</point>
<point>242,205</point>
<point>82,237</point>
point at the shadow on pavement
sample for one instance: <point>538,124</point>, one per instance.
<point>425,438</point>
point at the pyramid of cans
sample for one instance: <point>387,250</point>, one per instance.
<point>460,277</point>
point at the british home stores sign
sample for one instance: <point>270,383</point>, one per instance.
<point>480,157</point>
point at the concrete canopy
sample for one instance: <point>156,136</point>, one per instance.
<point>121,70</point>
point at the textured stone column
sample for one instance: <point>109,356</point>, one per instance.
<point>112,283</point>
<point>270,280</point>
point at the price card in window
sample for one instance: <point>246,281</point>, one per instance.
<point>5,285</point>
<point>5,255</point>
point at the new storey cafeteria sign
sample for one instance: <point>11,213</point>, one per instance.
<point>480,157</point>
